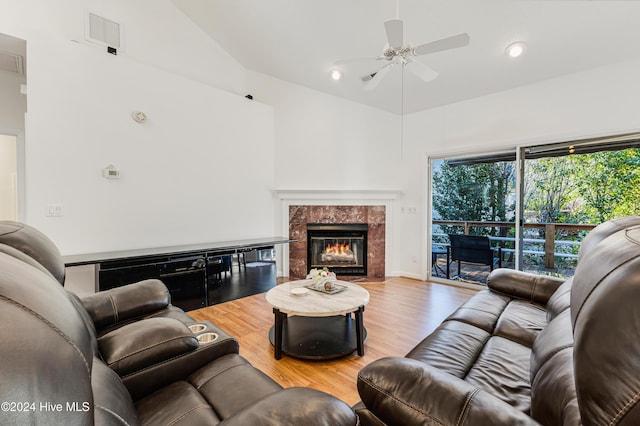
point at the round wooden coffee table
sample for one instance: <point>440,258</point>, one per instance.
<point>317,325</point>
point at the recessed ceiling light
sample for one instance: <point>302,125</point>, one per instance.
<point>336,74</point>
<point>515,49</point>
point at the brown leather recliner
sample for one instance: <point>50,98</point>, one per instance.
<point>528,350</point>
<point>109,309</point>
<point>146,367</point>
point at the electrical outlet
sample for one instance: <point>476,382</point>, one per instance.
<point>55,210</point>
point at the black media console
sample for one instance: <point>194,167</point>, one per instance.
<point>185,270</point>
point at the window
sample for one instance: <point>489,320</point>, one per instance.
<point>564,191</point>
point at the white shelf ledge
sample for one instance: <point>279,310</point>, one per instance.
<point>337,194</point>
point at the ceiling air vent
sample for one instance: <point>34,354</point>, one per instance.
<point>104,31</point>
<point>11,62</point>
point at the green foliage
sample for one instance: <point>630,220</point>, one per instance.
<point>583,188</point>
<point>580,188</point>
<point>608,183</point>
<point>475,192</point>
<point>549,189</point>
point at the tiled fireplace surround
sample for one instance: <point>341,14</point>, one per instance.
<point>373,215</point>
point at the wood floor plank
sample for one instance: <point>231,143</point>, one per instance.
<point>401,312</point>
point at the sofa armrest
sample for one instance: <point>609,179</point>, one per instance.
<point>537,288</point>
<point>110,307</point>
<point>406,391</point>
<point>144,343</point>
<point>295,406</point>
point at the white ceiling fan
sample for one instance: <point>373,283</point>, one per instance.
<point>399,51</point>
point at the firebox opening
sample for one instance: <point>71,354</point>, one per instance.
<point>341,248</point>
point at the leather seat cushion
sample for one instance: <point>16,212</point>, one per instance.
<point>502,369</point>
<point>453,347</point>
<point>176,404</point>
<point>230,384</point>
<point>218,390</point>
<point>487,343</point>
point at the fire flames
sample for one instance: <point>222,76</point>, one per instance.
<point>336,248</point>
<point>338,253</point>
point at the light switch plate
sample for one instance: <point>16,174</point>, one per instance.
<point>55,210</point>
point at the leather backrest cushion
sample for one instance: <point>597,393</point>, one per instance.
<point>24,257</point>
<point>46,351</point>
<point>86,319</point>
<point>113,404</point>
<point>605,301</point>
<point>37,292</point>
<point>35,244</point>
<point>603,230</point>
<point>553,390</point>
<point>560,300</point>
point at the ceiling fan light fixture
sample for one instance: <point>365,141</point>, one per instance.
<point>336,74</point>
<point>515,49</point>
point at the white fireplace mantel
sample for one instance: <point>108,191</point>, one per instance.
<point>333,197</point>
<point>337,194</point>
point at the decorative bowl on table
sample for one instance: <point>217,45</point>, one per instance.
<point>324,281</point>
<point>299,291</point>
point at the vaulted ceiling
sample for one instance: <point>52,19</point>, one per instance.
<point>300,40</point>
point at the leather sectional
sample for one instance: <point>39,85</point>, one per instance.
<point>528,350</point>
<point>125,356</point>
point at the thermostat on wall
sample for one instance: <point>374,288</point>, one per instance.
<point>110,172</point>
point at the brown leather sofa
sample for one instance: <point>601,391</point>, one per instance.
<point>527,350</point>
<point>125,357</point>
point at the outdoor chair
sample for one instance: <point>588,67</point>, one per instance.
<point>473,249</point>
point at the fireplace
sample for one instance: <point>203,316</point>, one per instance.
<point>374,216</point>
<point>341,248</point>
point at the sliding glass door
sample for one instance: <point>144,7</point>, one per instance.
<point>473,201</point>
<point>537,224</point>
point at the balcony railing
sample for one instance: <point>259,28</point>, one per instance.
<point>549,241</point>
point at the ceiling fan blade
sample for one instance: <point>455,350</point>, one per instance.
<point>393,27</point>
<point>373,80</point>
<point>421,70</point>
<point>453,42</point>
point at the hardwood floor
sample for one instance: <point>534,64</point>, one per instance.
<point>400,313</point>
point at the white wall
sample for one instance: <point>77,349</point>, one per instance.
<point>155,33</point>
<point>324,142</point>
<point>201,169</point>
<point>198,170</point>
